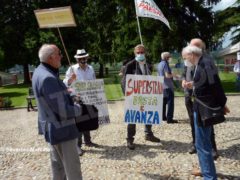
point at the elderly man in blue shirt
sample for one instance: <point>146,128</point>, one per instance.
<point>168,87</point>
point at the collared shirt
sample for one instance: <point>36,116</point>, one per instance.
<point>142,67</point>
<point>163,67</point>
<point>54,70</point>
<point>82,74</point>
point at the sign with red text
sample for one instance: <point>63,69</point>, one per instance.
<point>143,99</point>
<point>92,92</point>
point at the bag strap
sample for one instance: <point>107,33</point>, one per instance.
<point>206,106</point>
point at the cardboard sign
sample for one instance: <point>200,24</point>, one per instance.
<point>55,17</point>
<point>92,92</point>
<point>143,99</point>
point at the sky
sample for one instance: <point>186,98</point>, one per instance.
<point>221,6</point>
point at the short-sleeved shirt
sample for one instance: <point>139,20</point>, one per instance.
<point>163,67</point>
<point>82,74</point>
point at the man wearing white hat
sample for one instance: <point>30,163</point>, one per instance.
<point>81,71</point>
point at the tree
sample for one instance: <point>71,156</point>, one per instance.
<point>97,22</point>
<point>188,19</point>
<point>21,35</point>
<point>107,29</point>
<point>226,20</point>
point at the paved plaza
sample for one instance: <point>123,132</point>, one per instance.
<point>24,155</point>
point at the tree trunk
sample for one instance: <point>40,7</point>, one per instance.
<point>27,78</point>
<point>101,70</point>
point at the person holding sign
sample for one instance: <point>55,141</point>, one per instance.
<point>81,71</point>
<point>57,114</point>
<point>168,99</point>
<point>138,66</point>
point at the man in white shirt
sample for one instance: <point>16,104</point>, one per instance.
<point>81,71</point>
<point>236,69</point>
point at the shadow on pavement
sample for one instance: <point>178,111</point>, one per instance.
<point>224,176</point>
<point>233,152</point>
<point>123,153</point>
<point>159,177</point>
<point>233,119</point>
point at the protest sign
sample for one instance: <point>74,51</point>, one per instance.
<point>143,99</point>
<point>55,17</point>
<point>92,92</point>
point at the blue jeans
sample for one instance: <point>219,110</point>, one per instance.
<point>169,101</point>
<point>204,150</point>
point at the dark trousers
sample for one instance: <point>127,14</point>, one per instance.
<point>131,131</point>
<point>168,100</point>
<point>86,136</point>
<point>189,107</point>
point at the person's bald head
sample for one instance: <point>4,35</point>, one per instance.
<point>199,43</point>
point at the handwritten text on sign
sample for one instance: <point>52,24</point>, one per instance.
<point>92,92</point>
<point>144,99</point>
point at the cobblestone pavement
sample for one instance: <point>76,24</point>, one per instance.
<point>24,155</point>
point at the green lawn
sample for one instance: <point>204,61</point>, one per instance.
<point>18,93</point>
<point>228,82</point>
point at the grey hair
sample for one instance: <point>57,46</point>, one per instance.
<point>139,46</point>
<point>45,51</point>
<point>192,50</point>
<point>165,54</point>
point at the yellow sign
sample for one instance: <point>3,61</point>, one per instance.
<point>55,17</point>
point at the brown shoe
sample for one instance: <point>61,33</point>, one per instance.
<point>152,138</point>
<point>196,172</point>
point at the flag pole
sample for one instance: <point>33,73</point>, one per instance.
<point>69,62</point>
<point>139,30</point>
<point>59,32</point>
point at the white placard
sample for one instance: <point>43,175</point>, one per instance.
<point>143,99</point>
<point>92,92</point>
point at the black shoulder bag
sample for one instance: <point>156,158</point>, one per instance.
<point>89,119</point>
<point>210,115</point>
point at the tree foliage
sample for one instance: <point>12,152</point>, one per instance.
<point>227,20</point>
<point>107,29</point>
